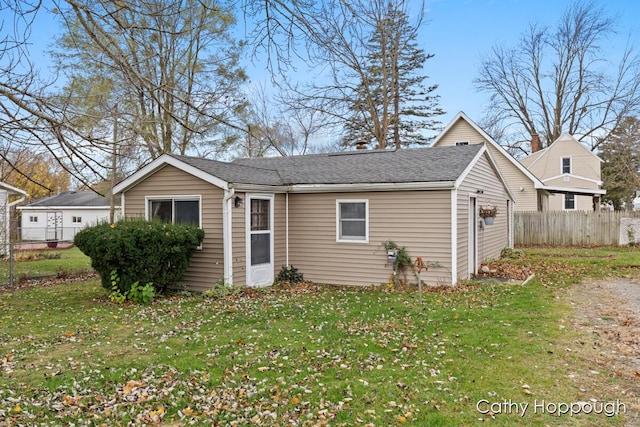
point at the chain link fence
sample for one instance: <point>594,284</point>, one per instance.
<point>30,243</point>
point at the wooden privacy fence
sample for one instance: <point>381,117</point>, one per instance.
<point>569,228</point>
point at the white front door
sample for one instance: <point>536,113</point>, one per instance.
<point>259,232</point>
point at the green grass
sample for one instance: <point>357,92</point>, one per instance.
<point>49,262</point>
<point>310,355</point>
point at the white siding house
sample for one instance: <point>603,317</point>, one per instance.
<point>61,216</point>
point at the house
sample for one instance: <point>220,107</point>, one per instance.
<point>528,191</point>
<point>570,172</point>
<point>60,216</point>
<point>328,214</point>
<point>6,193</point>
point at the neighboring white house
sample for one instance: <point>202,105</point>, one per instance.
<point>6,191</point>
<point>59,217</point>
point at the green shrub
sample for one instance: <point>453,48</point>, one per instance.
<point>139,251</point>
<point>290,275</point>
<point>138,294</point>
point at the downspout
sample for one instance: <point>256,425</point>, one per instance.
<point>286,229</point>
<point>227,235</point>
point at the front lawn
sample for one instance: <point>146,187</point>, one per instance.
<point>304,355</point>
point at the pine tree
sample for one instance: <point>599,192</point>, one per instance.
<point>393,106</point>
<point>621,156</point>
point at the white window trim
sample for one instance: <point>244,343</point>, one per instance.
<point>366,220</point>
<point>33,219</point>
<point>173,198</point>
<point>73,219</point>
<point>562,172</point>
<point>564,202</point>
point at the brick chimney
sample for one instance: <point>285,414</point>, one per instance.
<point>536,144</point>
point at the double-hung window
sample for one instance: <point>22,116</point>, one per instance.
<point>566,165</point>
<point>570,202</point>
<point>352,221</point>
<point>177,210</point>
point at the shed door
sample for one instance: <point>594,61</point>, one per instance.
<point>259,220</point>
<point>473,237</point>
<point>53,231</point>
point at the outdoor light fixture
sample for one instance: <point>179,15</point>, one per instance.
<point>237,201</point>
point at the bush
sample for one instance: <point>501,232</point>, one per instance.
<point>290,275</point>
<point>139,251</point>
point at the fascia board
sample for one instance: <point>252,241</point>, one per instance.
<point>576,190</point>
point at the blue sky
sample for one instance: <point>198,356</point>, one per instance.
<point>460,33</point>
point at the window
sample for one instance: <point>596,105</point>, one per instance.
<point>569,202</point>
<point>566,165</point>
<point>33,219</point>
<point>175,210</point>
<point>352,221</point>
<point>76,219</point>
<point>459,143</point>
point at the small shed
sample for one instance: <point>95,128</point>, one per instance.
<point>57,218</point>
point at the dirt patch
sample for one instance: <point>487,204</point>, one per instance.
<point>607,315</point>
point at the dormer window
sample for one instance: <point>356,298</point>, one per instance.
<point>566,165</point>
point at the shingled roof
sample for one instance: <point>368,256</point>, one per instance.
<point>355,167</point>
<point>70,199</point>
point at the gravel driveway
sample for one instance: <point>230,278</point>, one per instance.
<point>607,313</point>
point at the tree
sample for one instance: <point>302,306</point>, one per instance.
<point>366,58</point>
<point>621,166</point>
<point>36,173</point>
<point>276,125</point>
<point>167,71</point>
<point>390,88</point>
<point>562,79</point>
<point>30,119</point>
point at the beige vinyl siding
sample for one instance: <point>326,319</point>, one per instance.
<point>207,264</point>
<point>239,242</point>
<point>520,185</point>
<point>418,220</point>
<point>279,233</point>
<point>461,131</point>
<point>583,162</point>
<point>583,203</point>
<point>493,238</point>
<point>525,200</point>
<point>572,181</point>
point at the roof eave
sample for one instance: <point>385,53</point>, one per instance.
<point>575,190</point>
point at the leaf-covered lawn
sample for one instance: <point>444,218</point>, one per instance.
<point>298,356</point>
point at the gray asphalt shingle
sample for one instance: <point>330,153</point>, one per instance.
<point>71,199</point>
<point>432,164</point>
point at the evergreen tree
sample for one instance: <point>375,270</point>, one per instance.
<point>621,156</point>
<point>393,106</point>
